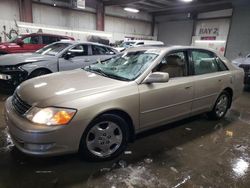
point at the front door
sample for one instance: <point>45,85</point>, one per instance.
<point>164,102</point>
<point>80,58</point>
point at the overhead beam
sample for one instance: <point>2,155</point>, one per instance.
<point>193,8</point>
<point>119,2</point>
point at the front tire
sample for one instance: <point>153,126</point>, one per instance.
<point>221,106</point>
<point>105,138</point>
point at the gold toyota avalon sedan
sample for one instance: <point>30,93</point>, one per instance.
<point>97,110</point>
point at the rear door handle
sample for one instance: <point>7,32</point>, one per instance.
<point>188,87</point>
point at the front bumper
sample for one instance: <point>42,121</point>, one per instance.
<point>40,140</point>
<point>16,77</point>
<point>247,78</point>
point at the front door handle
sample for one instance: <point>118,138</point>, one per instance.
<point>188,87</point>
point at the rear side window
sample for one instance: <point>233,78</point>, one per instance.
<point>49,39</point>
<point>80,50</point>
<point>99,50</point>
<point>204,62</point>
<point>111,51</point>
<point>140,43</point>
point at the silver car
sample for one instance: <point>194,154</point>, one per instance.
<point>99,109</point>
<point>59,56</point>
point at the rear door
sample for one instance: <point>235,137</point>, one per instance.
<point>164,102</point>
<point>100,53</point>
<point>210,75</point>
<point>80,58</point>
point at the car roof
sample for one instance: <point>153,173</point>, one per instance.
<point>82,42</point>
<point>45,34</point>
<point>163,48</point>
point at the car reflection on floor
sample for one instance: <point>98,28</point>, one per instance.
<point>194,152</point>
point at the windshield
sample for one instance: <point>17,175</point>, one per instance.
<point>126,67</point>
<point>126,44</point>
<point>53,49</point>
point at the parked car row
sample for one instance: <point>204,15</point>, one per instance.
<point>97,110</point>
<point>30,42</point>
<point>59,56</point>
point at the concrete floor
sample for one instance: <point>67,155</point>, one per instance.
<point>192,153</point>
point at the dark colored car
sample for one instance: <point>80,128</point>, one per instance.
<point>244,63</point>
<point>30,42</point>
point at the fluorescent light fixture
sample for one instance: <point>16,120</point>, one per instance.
<point>66,30</point>
<point>210,41</point>
<point>131,10</point>
<point>187,1</point>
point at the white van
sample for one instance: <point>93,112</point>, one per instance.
<point>135,43</point>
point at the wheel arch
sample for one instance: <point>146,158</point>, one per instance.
<point>38,69</point>
<point>230,91</point>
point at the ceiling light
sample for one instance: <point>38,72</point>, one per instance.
<point>187,1</point>
<point>210,41</point>
<point>131,10</point>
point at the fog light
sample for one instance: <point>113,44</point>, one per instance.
<point>38,147</point>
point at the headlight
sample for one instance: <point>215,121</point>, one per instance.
<point>12,68</point>
<point>50,116</point>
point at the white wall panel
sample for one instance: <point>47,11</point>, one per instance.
<point>55,16</point>
<point>127,26</point>
<point>9,10</point>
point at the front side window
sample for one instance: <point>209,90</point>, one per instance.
<point>204,62</point>
<point>49,39</point>
<point>53,49</point>
<point>127,66</point>
<point>174,64</point>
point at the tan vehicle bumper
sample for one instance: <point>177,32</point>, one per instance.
<point>40,140</point>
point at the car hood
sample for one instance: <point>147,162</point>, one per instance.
<point>57,88</point>
<point>241,61</point>
<point>23,58</point>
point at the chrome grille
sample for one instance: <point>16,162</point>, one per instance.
<point>19,105</point>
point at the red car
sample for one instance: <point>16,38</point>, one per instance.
<point>30,42</point>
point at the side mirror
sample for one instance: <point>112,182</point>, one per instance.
<point>68,55</point>
<point>157,77</point>
<point>20,42</point>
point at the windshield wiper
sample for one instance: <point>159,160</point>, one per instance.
<point>96,70</point>
<point>100,72</point>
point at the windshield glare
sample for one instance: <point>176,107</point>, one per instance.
<point>127,66</point>
<point>53,49</point>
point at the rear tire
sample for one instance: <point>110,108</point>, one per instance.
<point>221,106</point>
<point>105,138</point>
